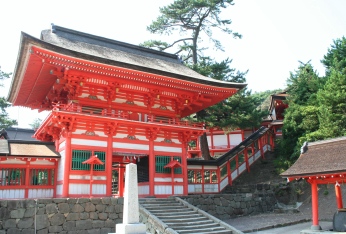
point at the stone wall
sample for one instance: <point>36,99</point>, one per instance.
<point>60,215</point>
<point>243,201</point>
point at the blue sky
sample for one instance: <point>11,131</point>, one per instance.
<point>276,33</point>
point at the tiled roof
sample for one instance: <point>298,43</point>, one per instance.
<point>321,157</point>
<point>23,134</point>
<point>32,149</point>
<point>124,54</point>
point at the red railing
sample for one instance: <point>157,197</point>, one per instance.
<point>75,108</point>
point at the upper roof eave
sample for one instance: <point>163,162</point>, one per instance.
<point>27,41</point>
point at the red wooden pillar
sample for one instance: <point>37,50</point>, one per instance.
<point>246,160</point>
<point>151,167</point>
<point>68,159</point>
<point>109,156</point>
<point>314,199</point>
<point>121,180</point>
<point>184,169</point>
<point>228,141</point>
<point>229,171</point>
<point>242,135</point>
<point>212,141</point>
<point>338,195</point>
<point>27,179</point>
<point>260,146</point>
<point>55,177</point>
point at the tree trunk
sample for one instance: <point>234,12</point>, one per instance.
<point>203,141</point>
<point>204,147</point>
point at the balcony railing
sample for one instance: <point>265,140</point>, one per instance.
<point>119,114</point>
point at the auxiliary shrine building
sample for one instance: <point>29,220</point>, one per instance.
<point>121,102</point>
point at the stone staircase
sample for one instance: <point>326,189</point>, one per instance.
<point>182,217</point>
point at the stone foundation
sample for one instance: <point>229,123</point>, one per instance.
<point>60,215</point>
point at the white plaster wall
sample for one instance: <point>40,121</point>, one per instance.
<point>168,179</point>
<point>40,193</point>
<point>194,167</point>
<point>211,188</point>
<point>242,168</point>
<point>168,149</point>
<point>12,193</point>
<point>58,189</point>
<point>143,189</point>
<point>178,189</point>
<point>224,183</point>
<point>163,189</point>
<point>75,141</point>
<point>99,189</point>
<point>194,188</point>
<point>220,141</point>
<point>79,188</point>
<point>87,177</point>
<point>13,161</point>
<point>235,139</point>
<point>61,166</point>
<point>119,145</point>
<point>210,167</point>
<point>43,162</point>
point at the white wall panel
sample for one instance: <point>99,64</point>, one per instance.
<point>211,188</point>
<point>195,188</point>
<point>178,189</point>
<point>99,189</point>
<point>235,139</point>
<point>87,177</point>
<point>12,193</point>
<point>59,189</point>
<point>13,161</point>
<point>168,179</point>
<point>143,189</point>
<point>119,145</point>
<point>194,167</point>
<point>75,141</point>
<point>224,183</point>
<point>43,162</point>
<point>61,166</point>
<point>40,193</point>
<point>168,149</point>
<point>220,140</point>
<point>79,188</point>
<point>162,189</point>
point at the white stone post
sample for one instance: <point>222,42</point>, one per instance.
<point>131,224</point>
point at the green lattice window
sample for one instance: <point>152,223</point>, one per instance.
<point>241,158</point>
<point>162,161</point>
<point>79,156</point>
<point>233,164</point>
<point>12,176</point>
<point>223,171</point>
<point>41,176</point>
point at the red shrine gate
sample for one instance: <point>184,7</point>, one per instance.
<point>121,102</point>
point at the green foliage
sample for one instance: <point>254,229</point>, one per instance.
<point>317,107</point>
<point>336,56</point>
<point>264,98</point>
<point>5,121</point>
<point>193,20</point>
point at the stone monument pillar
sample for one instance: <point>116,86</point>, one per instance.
<point>131,222</point>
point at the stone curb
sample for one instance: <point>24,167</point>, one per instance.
<point>277,225</point>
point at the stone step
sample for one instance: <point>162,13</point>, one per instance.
<point>170,210</point>
<point>162,205</point>
<point>176,216</point>
<point>195,223</point>
<point>177,220</point>
<point>206,231</point>
<point>190,226</point>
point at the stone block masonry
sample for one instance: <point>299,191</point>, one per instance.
<point>61,215</point>
<point>225,206</point>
